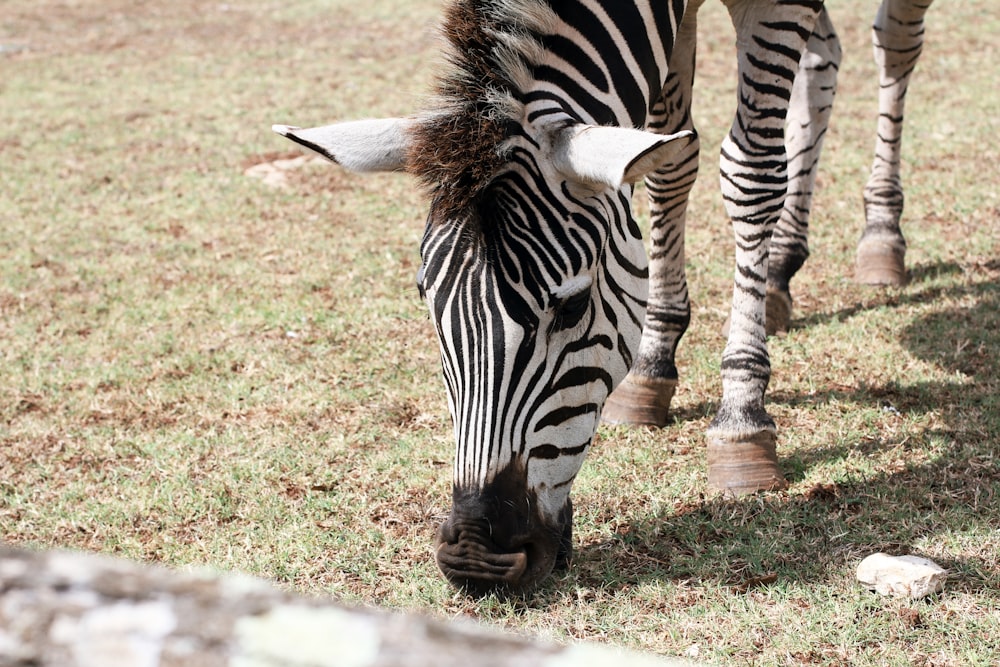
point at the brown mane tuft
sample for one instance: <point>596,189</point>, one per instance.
<point>460,145</point>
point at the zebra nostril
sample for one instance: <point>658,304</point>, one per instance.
<point>447,533</point>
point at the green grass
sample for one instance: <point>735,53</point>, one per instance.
<point>199,369</point>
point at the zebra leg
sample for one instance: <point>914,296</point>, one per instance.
<point>808,119</point>
<point>897,36</point>
<point>770,38</point>
<point>645,394</point>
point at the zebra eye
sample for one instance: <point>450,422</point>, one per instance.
<point>570,311</point>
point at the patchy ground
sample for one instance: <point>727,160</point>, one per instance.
<point>200,369</point>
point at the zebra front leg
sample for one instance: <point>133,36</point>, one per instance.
<point>771,37</point>
<point>644,396</point>
<point>808,118</point>
<point>898,37</point>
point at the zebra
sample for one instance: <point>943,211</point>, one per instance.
<point>533,268</point>
<point>897,39</point>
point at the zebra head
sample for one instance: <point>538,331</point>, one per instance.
<point>536,286</point>
<point>537,290</point>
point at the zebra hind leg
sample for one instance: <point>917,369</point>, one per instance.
<point>644,396</point>
<point>897,36</point>
<point>771,37</point>
<point>808,118</point>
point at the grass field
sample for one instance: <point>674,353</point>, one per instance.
<point>198,368</point>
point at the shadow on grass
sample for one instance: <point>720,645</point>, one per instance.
<point>919,275</point>
<point>904,398</point>
<point>803,535</point>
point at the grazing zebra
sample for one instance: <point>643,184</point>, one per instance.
<point>534,270</point>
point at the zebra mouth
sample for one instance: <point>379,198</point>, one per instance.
<point>479,568</point>
<point>476,568</point>
<point>471,559</point>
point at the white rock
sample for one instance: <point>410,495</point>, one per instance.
<point>901,576</point>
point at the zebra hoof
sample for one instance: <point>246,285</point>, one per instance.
<point>880,263</point>
<point>777,314</point>
<point>739,466</point>
<point>640,401</point>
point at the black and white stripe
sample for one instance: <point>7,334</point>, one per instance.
<point>534,270</point>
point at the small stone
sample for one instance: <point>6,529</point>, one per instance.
<point>901,576</point>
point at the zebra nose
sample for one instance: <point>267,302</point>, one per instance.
<point>471,561</point>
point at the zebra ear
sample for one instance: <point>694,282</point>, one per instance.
<point>613,156</point>
<point>363,145</point>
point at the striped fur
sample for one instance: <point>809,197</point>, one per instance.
<point>898,36</point>
<point>534,270</point>
<point>537,286</point>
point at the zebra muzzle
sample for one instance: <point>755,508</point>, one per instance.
<point>495,540</point>
<point>471,559</point>
<point>472,565</point>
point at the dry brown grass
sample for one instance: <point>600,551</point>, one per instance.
<point>198,369</point>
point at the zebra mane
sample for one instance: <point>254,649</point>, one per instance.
<point>460,143</point>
